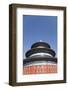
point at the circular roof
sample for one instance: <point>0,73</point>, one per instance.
<point>40,59</point>
<point>42,44</point>
<point>39,50</point>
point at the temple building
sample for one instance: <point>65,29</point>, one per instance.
<point>40,59</point>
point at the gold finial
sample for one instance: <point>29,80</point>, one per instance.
<point>40,40</point>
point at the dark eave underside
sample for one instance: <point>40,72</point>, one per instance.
<point>29,60</point>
